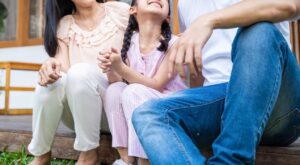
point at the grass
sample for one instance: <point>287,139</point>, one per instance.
<point>21,158</point>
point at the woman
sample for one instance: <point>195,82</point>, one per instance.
<point>71,84</point>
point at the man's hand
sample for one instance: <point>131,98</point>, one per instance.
<point>187,50</point>
<point>50,72</point>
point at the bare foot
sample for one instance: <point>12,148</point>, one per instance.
<point>41,160</point>
<point>88,157</point>
<point>142,161</point>
<point>124,155</point>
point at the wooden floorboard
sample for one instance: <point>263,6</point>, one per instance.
<point>23,124</point>
<point>16,130</point>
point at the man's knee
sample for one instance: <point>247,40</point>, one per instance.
<point>255,42</point>
<point>258,36</point>
<point>146,114</point>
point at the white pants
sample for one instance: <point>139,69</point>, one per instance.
<point>76,99</point>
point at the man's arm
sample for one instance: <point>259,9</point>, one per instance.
<point>248,12</point>
<point>188,48</point>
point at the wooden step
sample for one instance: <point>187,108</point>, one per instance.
<point>15,131</point>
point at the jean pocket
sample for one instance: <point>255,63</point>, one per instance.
<point>284,131</point>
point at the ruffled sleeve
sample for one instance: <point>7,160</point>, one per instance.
<point>64,28</point>
<point>119,13</point>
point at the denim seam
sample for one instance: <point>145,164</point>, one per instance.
<point>166,111</point>
<point>281,118</point>
<point>181,147</point>
<point>271,100</point>
<point>291,138</point>
<point>193,106</point>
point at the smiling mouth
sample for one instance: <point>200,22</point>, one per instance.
<point>157,3</point>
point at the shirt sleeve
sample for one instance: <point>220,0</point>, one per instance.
<point>119,13</point>
<point>63,29</point>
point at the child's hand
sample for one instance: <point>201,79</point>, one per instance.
<point>104,61</point>
<point>115,59</point>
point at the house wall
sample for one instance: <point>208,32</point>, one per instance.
<point>31,54</point>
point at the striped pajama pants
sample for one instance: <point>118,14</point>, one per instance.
<point>119,103</point>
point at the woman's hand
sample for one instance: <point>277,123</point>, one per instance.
<point>187,50</point>
<point>104,61</point>
<point>50,72</point>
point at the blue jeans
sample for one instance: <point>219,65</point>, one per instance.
<point>260,104</point>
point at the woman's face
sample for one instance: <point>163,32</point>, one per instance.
<point>154,7</point>
<point>84,3</point>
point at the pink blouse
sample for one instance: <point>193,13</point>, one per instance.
<point>148,64</point>
<point>84,46</point>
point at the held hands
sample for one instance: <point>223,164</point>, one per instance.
<point>110,60</point>
<point>49,72</point>
<point>187,50</point>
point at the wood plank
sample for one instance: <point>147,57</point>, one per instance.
<point>16,130</point>
<point>29,42</point>
<point>62,147</point>
<point>176,27</point>
<point>20,66</point>
<point>19,112</point>
<point>7,84</point>
<point>8,44</point>
<point>23,124</point>
<point>8,66</point>
<point>20,89</point>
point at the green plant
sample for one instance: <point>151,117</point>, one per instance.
<point>3,15</point>
<point>21,158</point>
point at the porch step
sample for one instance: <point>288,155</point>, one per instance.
<point>16,130</point>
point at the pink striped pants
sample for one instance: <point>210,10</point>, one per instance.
<point>119,103</point>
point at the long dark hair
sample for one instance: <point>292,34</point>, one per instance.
<point>166,32</point>
<point>55,10</point>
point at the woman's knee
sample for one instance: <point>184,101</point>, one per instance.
<point>80,72</point>
<point>54,93</point>
<point>82,77</point>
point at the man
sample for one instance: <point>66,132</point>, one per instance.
<point>251,93</point>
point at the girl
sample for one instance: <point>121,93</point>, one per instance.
<point>71,85</point>
<point>146,41</point>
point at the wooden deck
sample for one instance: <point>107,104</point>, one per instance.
<point>16,130</point>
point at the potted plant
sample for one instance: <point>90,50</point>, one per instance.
<point>3,15</point>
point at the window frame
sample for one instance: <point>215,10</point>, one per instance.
<point>23,23</point>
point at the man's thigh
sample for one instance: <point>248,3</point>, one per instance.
<point>197,111</point>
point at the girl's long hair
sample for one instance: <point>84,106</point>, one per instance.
<point>166,32</point>
<point>55,10</point>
